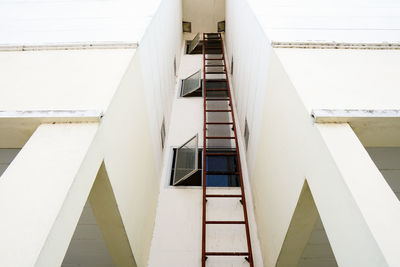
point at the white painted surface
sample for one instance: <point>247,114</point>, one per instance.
<point>344,79</point>
<point>328,21</point>
<point>61,80</point>
<point>288,146</point>
<point>126,139</point>
<point>38,22</point>
<point>247,44</point>
<point>203,14</point>
<point>87,247</point>
<point>177,233</point>
<point>159,46</point>
<point>36,185</point>
<point>342,162</point>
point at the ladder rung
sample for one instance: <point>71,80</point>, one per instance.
<point>217,99</point>
<point>220,154</point>
<point>214,65</point>
<point>219,123</point>
<point>215,80</point>
<point>224,196</point>
<point>218,110</point>
<point>221,173</point>
<point>225,222</point>
<point>216,89</point>
<point>215,58</point>
<point>220,137</point>
<point>227,253</point>
<point>215,72</point>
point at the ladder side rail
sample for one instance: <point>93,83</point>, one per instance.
<point>203,242</point>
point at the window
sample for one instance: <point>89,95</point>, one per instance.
<point>162,133</point>
<point>221,26</point>
<point>186,161</point>
<point>222,170</point>
<point>246,133</point>
<point>186,26</point>
<point>175,69</point>
<point>195,46</point>
<point>192,85</point>
<point>232,65</point>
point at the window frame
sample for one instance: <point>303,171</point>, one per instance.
<point>194,43</point>
<point>174,181</point>
<point>199,86</point>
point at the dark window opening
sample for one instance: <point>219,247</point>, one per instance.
<point>196,93</point>
<point>192,85</point>
<point>221,26</point>
<point>196,51</point>
<point>162,133</point>
<point>246,133</point>
<point>222,171</point>
<point>232,65</point>
<point>194,45</point>
<point>194,179</point>
<point>175,69</point>
<point>186,26</point>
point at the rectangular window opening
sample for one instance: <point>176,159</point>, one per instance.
<point>246,133</point>
<point>221,26</point>
<point>222,169</point>
<point>192,85</point>
<point>186,26</point>
<point>162,133</point>
<point>195,46</point>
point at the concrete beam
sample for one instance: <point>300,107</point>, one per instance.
<point>68,46</point>
<point>373,127</point>
<point>108,217</point>
<point>17,126</point>
<point>360,212</point>
<point>43,192</point>
<point>353,115</point>
<point>300,229</point>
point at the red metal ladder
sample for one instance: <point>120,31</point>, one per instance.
<point>214,64</point>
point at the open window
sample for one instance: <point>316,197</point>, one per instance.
<point>192,85</point>
<point>222,170</point>
<point>186,161</point>
<point>195,46</point>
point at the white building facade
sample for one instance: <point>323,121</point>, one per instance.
<point>93,110</point>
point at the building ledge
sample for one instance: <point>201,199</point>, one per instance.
<point>334,45</point>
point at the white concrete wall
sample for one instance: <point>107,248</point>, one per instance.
<point>328,21</point>
<point>292,150</point>
<point>160,44</point>
<point>61,80</point>
<point>39,22</point>
<point>127,140</point>
<point>344,78</point>
<point>288,149</point>
<point>247,44</point>
<point>203,14</point>
<point>177,233</point>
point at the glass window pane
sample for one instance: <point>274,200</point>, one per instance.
<point>191,83</point>
<point>186,160</point>
<point>194,43</point>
